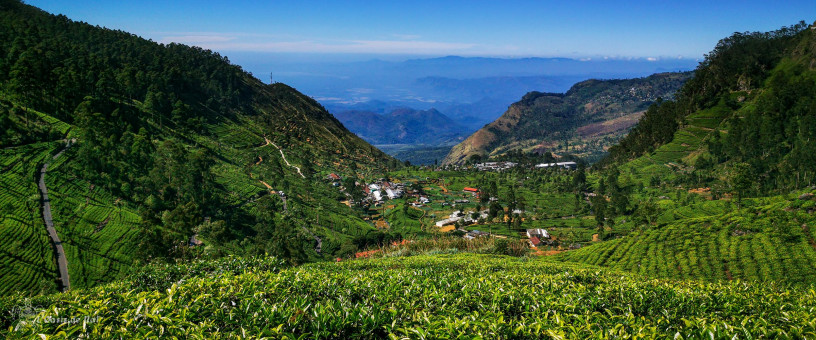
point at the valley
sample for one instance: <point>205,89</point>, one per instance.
<point>159,190</point>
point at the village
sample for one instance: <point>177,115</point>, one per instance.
<point>426,205</point>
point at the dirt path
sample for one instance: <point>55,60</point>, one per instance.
<point>271,189</point>
<point>266,185</point>
<point>62,262</point>
<point>421,219</point>
<point>268,142</point>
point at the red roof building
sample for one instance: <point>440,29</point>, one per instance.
<point>535,241</point>
<point>470,190</point>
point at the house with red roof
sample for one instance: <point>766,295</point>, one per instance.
<point>473,191</point>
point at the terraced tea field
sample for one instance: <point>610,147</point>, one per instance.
<point>425,297</point>
<point>98,231</point>
<point>769,239</point>
<point>27,260</point>
<point>687,142</point>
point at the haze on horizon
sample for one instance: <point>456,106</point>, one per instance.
<point>355,55</point>
<point>357,30</point>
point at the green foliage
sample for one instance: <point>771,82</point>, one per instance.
<point>432,297</point>
<point>160,276</point>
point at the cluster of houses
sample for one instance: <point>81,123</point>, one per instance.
<point>495,166</point>
<point>376,192</point>
<point>466,218</point>
<point>381,190</point>
<point>565,165</point>
<point>502,166</point>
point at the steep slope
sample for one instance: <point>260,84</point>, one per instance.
<point>736,143</point>
<point>588,118</point>
<point>171,141</point>
<point>402,126</point>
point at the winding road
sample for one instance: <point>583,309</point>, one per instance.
<point>62,262</point>
<point>284,156</point>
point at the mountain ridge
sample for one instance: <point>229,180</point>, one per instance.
<point>402,126</point>
<point>539,122</point>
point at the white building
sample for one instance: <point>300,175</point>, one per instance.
<point>565,165</point>
<point>447,221</point>
<point>393,194</point>
<point>540,233</point>
<point>495,166</point>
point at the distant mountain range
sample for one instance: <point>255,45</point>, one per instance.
<point>472,91</point>
<point>403,126</point>
<point>585,120</point>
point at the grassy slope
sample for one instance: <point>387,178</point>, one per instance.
<point>687,144</point>
<point>96,251</point>
<point>439,296</point>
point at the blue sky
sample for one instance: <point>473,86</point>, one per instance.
<point>577,29</point>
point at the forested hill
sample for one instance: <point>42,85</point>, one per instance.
<point>746,122</point>
<point>170,141</point>
<point>52,64</point>
<point>585,121</point>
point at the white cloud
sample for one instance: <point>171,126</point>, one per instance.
<point>651,59</point>
<point>406,36</point>
<point>196,39</point>
<point>404,44</point>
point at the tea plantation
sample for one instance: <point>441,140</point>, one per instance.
<point>26,255</point>
<point>769,238</point>
<point>430,296</point>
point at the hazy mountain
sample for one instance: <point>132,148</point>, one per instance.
<point>458,86</point>
<point>402,126</point>
<point>585,120</point>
